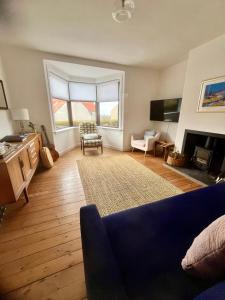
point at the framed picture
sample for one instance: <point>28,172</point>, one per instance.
<point>3,101</point>
<point>212,95</point>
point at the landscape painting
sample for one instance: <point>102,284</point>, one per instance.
<point>212,96</point>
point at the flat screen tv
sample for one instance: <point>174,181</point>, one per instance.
<point>167,110</point>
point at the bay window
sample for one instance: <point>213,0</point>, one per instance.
<point>83,112</point>
<point>108,99</point>
<point>60,113</point>
<point>76,102</point>
<point>60,101</point>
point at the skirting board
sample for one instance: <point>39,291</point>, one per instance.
<point>113,147</point>
<point>78,146</point>
<point>185,175</point>
<point>68,149</point>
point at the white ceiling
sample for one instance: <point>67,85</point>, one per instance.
<point>161,32</point>
<point>76,70</point>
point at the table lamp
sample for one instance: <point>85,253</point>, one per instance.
<point>21,115</point>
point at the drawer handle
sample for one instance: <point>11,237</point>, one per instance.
<point>21,163</point>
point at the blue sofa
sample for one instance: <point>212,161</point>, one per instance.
<point>136,254</point>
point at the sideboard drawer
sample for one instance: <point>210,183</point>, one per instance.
<point>17,169</point>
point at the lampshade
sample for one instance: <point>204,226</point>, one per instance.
<point>20,114</point>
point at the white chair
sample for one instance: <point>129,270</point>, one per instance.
<point>144,144</point>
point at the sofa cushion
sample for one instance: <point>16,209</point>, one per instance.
<point>206,256</point>
<point>217,292</point>
<point>90,136</point>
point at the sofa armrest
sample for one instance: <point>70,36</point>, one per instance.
<point>103,278</point>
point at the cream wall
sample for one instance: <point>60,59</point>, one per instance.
<point>205,62</point>
<point>6,126</point>
<point>171,84</point>
<point>24,69</point>
<point>140,87</point>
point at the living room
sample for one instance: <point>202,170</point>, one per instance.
<point>80,81</point>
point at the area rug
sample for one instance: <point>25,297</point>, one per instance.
<point>119,182</point>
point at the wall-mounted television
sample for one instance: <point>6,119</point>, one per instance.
<point>167,110</point>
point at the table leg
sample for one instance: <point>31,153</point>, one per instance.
<point>155,149</point>
<point>165,154</point>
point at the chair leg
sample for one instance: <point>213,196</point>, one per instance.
<point>132,149</point>
<point>102,149</point>
<point>83,150</point>
<point>145,153</point>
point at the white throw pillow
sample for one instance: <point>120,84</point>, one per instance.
<point>149,133</point>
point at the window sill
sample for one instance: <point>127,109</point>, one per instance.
<point>64,129</point>
<point>110,128</point>
<point>58,131</point>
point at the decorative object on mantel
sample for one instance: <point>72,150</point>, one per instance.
<point>212,95</point>
<point>21,115</point>
<point>3,101</point>
<point>176,159</point>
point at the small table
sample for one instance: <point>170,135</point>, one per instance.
<point>165,146</point>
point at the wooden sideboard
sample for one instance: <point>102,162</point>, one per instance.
<point>17,169</point>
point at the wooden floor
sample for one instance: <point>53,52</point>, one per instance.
<point>40,246</point>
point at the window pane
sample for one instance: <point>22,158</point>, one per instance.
<point>83,112</point>
<point>108,91</point>
<point>60,112</point>
<point>109,115</point>
<point>82,91</point>
<point>58,87</point>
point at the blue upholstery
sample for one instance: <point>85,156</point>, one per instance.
<point>217,292</point>
<point>136,254</point>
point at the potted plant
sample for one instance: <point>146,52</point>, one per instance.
<point>177,159</point>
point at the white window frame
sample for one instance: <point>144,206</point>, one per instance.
<point>120,78</point>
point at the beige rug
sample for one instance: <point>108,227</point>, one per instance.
<point>119,182</point>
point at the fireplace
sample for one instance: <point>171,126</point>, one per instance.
<point>205,152</point>
<point>202,158</point>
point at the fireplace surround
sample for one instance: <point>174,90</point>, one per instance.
<point>205,152</point>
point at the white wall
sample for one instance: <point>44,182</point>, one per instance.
<point>171,84</point>
<point>140,87</point>
<point>6,126</point>
<point>205,62</point>
<point>26,81</point>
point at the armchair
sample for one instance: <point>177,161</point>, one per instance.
<point>145,145</point>
<point>89,137</point>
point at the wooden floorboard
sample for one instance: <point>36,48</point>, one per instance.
<point>40,245</point>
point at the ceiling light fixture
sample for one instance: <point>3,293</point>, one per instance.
<point>123,10</point>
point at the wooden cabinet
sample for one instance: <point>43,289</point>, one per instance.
<point>17,169</point>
